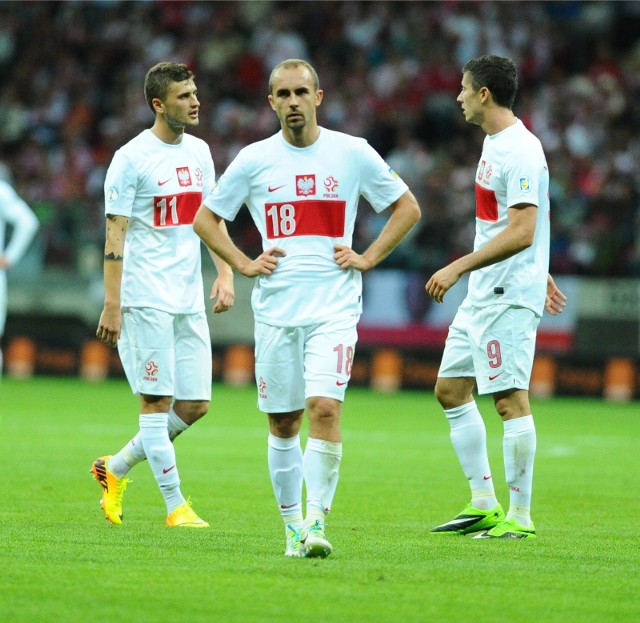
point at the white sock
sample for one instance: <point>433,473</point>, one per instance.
<point>469,438</point>
<point>175,424</point>
<point>129,456</point>
<point>519,447</point>
<point>162,457</point>
<point>321,465</point>
<point>284,457</point>
<point>133,453</point>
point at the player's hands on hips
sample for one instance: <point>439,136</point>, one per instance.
<point>222,289</point>
<point>555,300</point>
<point>441,282</point>
<point>346,257</point>
<point>264,264</point>
<point>109,326</point>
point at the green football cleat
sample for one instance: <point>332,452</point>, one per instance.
<point>470,520</point>
<point>315,544</point>
<point>508,529</point>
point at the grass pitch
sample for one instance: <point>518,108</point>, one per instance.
<point>61,561</point>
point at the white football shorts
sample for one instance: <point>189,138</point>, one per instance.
<point>495,344</point>
<point>296,363</point>
<point>166,354</point>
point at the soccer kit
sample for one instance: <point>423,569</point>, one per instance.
<point>15,212</point>
<point>159,187</point>
<point>492,337</point>
<point>305,200</point>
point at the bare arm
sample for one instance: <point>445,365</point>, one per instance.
<point>515,237</point>
<point>405,213</point>
<point>110,324</point>
<point>222,288</point>
<point>213,232</point>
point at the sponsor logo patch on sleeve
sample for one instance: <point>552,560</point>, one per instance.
<point>112,194</point>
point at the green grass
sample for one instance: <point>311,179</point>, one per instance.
<point>61,561</point>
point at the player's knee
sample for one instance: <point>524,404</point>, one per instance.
<point>441,393</point>
<point>512,403</point>
<point>452,393</point>
<point>285,425</point>
<point>505,409</point>
<point>323,409</point>
<point>445,394</point>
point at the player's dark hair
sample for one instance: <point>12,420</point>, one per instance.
<point>292,63</point>
<point>496,73</point>
<point>159,78</point>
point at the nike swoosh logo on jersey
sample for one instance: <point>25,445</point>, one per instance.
<point>493,378</point>
<point>273,189</point>
<point>163,183</point>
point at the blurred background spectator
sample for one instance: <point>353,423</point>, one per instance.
<point>70,76</point>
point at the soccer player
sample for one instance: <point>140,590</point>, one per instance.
<point>24,225</point>
<point>302,187</point>
<point>154,308</point>
<point>491,340</point>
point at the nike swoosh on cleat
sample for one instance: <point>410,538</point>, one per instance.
<point>100,473</point>
<point>463,520</point>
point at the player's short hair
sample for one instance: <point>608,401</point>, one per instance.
<point>292,63</point>
<point>159,78</point>
<point>496,73</point>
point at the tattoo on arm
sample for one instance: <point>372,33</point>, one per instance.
<point>116,233</point>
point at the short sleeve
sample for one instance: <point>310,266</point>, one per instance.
<point>120,186</point>
<point>230,192</point>
<point>523,177</point>
<point>380,184</point>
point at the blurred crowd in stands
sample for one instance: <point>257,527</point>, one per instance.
<point>71,76</point>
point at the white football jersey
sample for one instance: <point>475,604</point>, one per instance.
<point>160,187</point>
<point>305,200</point>
<point>15,212</point>
<point>512,170</point>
